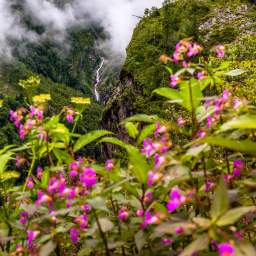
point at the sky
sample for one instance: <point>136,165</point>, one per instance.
<point>114,15</point>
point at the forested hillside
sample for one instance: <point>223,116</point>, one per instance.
<point>208,22</point>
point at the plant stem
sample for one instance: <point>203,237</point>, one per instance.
<point>116,215</point>
<point>75,125</point>
<point>101,232</point>
<point>193,111</point>
<point>29,173</point>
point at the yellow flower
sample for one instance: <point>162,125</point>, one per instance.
<point>80,103</point>
<point>42,98</point>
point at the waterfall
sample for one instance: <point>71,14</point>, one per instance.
<point>98,80</point>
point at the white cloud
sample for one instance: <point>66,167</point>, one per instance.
<point>114,15</point>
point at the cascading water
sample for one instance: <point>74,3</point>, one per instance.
<point>98,80</point>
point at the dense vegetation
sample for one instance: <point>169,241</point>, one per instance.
<point>194,195</point>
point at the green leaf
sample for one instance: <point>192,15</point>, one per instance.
<point>223,65</point>
<point>86,250</point>
<point>6,148</point>
<point>220,200</point>
<point>179,72</point>
<point>140,168</point>
<point>47,248</point>
<point>98,203</point>
<point>61,155</point>
<point>105,224</point>
<point>243,248</point>
<point>245,146</point>
<point>170,70</point>
<point>3,161</point>
<point>196,151</point>
<point>131,129</point>
<point>205,82</point>
<point>145,132</point>
<point>242,122</point>
<point>89,137</point>
<point>140,239</point>
<point>141,118</point>
<point>61,132</point>
<point>170,228</point>
<point>196,93</point>
<point>52,122</point>
<point>197,245</point>
<point>202,113</point>
<point>114,140</point>
<point>233,215</point>
<point>183,96</point>
<point>125,185</point>
<point>236,72</point>
<point>45,178</point>
<point>169,93</point>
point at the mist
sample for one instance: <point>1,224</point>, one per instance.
<point>116,16</point>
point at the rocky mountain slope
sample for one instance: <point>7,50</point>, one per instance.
<point>209,22</point>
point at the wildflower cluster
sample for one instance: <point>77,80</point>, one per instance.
<point>179,194</point>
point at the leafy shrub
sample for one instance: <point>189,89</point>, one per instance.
<point>188,188</point>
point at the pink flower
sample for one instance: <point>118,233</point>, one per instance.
<point>43,198</point>
<point>166,240</point>
<point>30,182</point>
<point>220,49</point>
<point>201,134</point>
<point>226,95</point>
<point>53,218</point>
<point>226,250</point>
<point>180,122</point>
<point>88,177</point>
<point>123,213</point>
<point>160,160</point>
<point>23,218</point>
<point>208,185</point>
<point>153,177</point>
<point>17,116</point>
<point>236,172</point>
<point>70,114</point>
<point>20,160</point>
<point>36,112</point>
<point>32,236</point>
<point>238,104</point>
<point>43,135</point>
<point>150,220</point>
<point>160,129</point>
<point>110,165</point>
<point>74,169</point>
<point>165,58</point>
<point>193,50</point>
<point>148,147</point>
<point>176,200</point>
<point>179,230</point>
<point>82,221</point>
<point>74,235</point>
<point>86,208</point>
<point>148,197</point>
<point>140,213</point>
<point>210,120</point>
<point>39,174</point>
<point>238,164</point>
<point>175,80</point>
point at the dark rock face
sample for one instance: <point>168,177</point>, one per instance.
<point>253,1</point>
<point>119,109</point>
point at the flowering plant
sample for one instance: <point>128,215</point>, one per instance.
<point>189,187</point>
